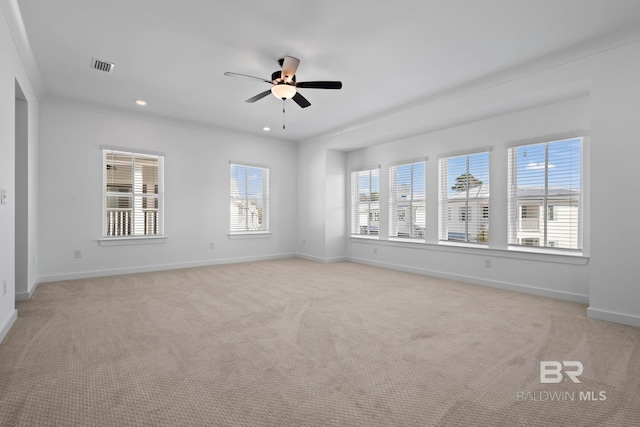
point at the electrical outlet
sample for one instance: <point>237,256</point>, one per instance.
<point>487,263</point>
<point>375,251</point>
<point>212,245</point>
<point>304,242</point>
<point>3,196</point>
<point>4,287</point>
<point>77,253</point>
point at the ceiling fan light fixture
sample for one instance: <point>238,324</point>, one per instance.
<point>283,91</point>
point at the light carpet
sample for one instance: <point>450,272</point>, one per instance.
<point>296,343</point>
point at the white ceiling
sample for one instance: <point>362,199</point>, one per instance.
<point>173,54</point>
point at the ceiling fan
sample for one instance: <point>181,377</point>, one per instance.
<point>284,85</point>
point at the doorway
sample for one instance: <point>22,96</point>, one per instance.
<point>21,194</point>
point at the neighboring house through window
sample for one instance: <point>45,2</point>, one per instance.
<point>365,202</point>
<point>464,186</point>
<point>133,194</point>
<point>407,215</point>
<point>545,194</point>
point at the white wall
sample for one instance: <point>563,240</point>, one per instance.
<point>11,71</point>
<point>311,201</point>
<point>196,192</point>
<point>335,213</point>
<point>615,111</point>
<point>321,209</point>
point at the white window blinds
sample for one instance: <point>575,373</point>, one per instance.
<point>365,202</point>
<point>133,194</point>
<point>464,198</point>
<point>249,202</point>
<point>545,194</point>
<point>407,215</point>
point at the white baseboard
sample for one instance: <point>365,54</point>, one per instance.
<point>161,267</point>
<point>611,316</point>
<point>583,299</point>
<point>319,259</point>
<point>25,296</point>
<point>4,327</point>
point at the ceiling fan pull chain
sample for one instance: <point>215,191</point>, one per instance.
<point>283,127</point>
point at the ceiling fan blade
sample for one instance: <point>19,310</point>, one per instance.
<point>301,100</point>
<point>289,67</point>
<point>259,96</point>
<point>319,85</point>
<point>230,74</point>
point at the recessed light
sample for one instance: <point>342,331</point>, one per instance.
<point>266,129</point>
<point>141,102</point>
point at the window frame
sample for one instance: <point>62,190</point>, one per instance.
<point>356,202</point>
<point>265,198</point>
<point>445,215</point>
<point>414,234</point>
<point>158,195</point>
<point>548,207</point>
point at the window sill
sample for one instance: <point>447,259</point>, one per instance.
<point>250,235</point>
<point>137,240</point>
<point>463,244</point>
<point>407,240</point>
<point>547,251</point>
<point>364,237</point>
<point>557,256</point>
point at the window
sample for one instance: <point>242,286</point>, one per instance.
<point>464,186</point>
<point>133,194</point>
<point>365,202</point>
<point>530,212</point>
<point>249,202</point>
<point>529,218</point>
<point>464,213</point>
<point>545,194</point>
<point>530,242</point>
<point>407,217</point>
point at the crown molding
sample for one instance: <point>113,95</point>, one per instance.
<point>547,62</point>
<point>13,18</point>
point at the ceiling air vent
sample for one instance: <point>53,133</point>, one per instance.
<point>101,65</point>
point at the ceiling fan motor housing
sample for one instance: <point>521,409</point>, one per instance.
<point>277,77</point>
